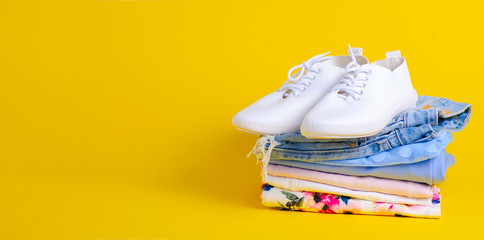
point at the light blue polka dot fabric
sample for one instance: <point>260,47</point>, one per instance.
<point>430,171</point>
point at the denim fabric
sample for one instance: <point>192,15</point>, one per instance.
<point>431,171</point>
<point>407,154</point>
<point>423,123</point>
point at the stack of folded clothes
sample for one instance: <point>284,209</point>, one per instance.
<point>394,172</point>
<point>343,135</point>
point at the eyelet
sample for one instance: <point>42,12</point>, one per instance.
<point>286,94</point>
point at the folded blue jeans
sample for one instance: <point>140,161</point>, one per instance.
<point>425,122</point>
<point>407,154</point>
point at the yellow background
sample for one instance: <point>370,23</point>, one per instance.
<point>115,116</point>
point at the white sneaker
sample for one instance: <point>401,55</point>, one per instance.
<point>283,110</point>
<point>364,102</point>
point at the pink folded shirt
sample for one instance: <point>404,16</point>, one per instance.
<point>371,184</point>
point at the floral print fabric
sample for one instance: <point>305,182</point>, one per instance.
<point>330,203</point>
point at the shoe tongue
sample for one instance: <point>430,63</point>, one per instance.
<point>361,60</point>
<point>318,65</point>
<point>355,51</point>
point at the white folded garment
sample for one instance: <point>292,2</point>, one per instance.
<point>358,183</point>
<point>303,185</point>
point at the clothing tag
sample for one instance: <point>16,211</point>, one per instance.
<point>392,58</point>
<point>446,112</point>
<point>393,54</point>
<point>430,106</point>
<point>357,51</point>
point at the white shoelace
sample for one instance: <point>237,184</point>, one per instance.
<point>299,81</point>
<point>354,81</point>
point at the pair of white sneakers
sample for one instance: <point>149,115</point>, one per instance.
<point>334,97</point>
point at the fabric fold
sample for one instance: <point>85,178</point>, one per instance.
<point>406,154</point>
<point>303,185</point>
<point>329,203</point>
<point>369,184</point>
<point>430,171</point>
